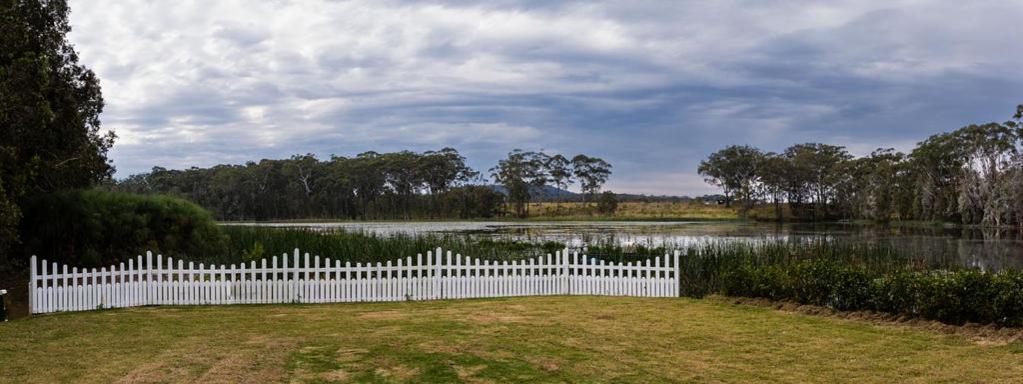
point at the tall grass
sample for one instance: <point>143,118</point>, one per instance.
<point>704,265</point>
<point>251,243</point>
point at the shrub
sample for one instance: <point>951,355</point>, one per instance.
<point>950,296</point>
<point>94,228</point>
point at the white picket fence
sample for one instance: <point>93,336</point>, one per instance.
<point>56,288</point>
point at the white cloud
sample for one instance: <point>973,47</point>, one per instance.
<point>204,82</point>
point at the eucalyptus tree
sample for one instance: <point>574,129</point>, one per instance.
<point>773,173</point>
<point>443,169</point>
<point>538,174</point>
<point>989,152</point>
<point>883,183</point>
<point>301,172</point>
<point>591,172</point>
<point>937,164</point>
<point>371,185</point>
<point>818,169</point>
<point>513,172</point>
<point>734,169</point>
<point>973,175</point>
<point>560,170</point>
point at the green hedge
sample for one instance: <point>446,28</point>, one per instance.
<point>95,228</point>
<point>954,297</point>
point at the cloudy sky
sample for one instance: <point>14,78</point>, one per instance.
<point>653,87</point>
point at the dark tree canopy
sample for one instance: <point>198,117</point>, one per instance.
<point>515,173</point>
<point>591,172</point>
<point>371,185</point>
<point>50,137</point>
<point>734,169</point>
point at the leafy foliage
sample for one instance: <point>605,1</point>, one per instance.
<point>399,185</point>
<point>94,228</point>
<point>522,170</point>
<point>954,297</point>
<point>607,204</point>
<point>50,138</point>
<point>972,175</point>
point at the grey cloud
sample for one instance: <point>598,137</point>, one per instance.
<point>652,86</point>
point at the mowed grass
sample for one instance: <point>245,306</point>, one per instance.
<point>537,339</point>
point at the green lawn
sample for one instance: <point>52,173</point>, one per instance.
<point>538,339</point>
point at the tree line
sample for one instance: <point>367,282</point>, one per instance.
<point>371,185</point>
<point>523,171</point>
<point>973,175</point>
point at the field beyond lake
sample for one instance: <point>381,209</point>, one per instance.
<point>537,339</point>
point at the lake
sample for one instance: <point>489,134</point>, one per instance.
<point>986,248</point>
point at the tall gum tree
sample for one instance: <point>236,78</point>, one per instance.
<point>50,136</point>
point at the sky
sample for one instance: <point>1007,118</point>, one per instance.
<point>652,87</point>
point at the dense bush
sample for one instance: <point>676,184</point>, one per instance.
<point>93,228</point>
<point>950,296</point>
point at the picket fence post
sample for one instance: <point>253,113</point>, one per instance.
<point>678,276</point>
<point>32,301</point>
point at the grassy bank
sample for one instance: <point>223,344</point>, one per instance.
<point>542,339</point>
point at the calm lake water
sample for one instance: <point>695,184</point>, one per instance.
<point>986,248</point>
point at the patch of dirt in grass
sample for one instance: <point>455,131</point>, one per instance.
<point>168,365</point>
<point>258,359</point>
<point>338,375</point>
<point>546,364</point>
<point>333,376</point>
<point>977,333</point>
<point>399,371</point>
<point>467,374</point>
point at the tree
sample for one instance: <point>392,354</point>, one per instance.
<point>50,138</point>
<point>513,173</point>
<point>591,172</point>
<point>936,165</point>
<point>537,173</point>
<point>560,170</point>
<point>443,169</point>
<point>882,182</point>
<point>773,172</point>
<point>973,175</point>
<point>990,149</point>
<point>607,204</point>
<point>734,170</point>
<point>818,167</point>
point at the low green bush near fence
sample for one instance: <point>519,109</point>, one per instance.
<point>93,228</point>
<point>950,296</point>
